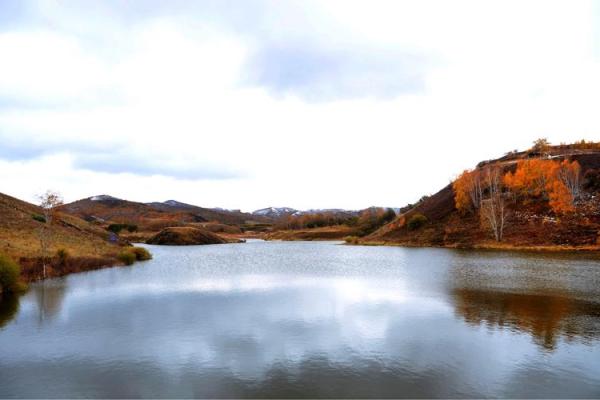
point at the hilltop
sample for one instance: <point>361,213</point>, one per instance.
<point>535,214</point>
<point>153,215</point>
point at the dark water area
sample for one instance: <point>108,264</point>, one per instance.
<point>309,319</point>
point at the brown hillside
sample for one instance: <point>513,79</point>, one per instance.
<point>19,238</point>
<point>111,210</point>
<point>150,217</point>
<point>531,224</point>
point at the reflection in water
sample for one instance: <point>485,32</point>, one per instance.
<point>545,316</point>
<point>309,320</point>
<point>9,305</point>
<point>49,296</point>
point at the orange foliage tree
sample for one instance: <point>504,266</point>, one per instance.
<point>487,189</point>
<point>558,182</point>
<point>468,190</point>
<point>482,189</point>
<point>531,177</point>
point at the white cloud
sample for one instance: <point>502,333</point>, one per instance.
<point>153,97</point>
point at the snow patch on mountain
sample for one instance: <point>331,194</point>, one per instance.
<point>274,212</point>
<point>103,197</point>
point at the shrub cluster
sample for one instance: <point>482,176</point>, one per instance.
<point>372,219</point>
<point>351,239</point>
<point>39,218</point>
<point>416,221</point>
<point>133,254</point>
<point>126,257</point>
<point>62,255</point>
<point>116,228</point>
<point>141,254</point>
<point>10,273</point>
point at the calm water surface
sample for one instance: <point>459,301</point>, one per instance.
<point>271,319</point>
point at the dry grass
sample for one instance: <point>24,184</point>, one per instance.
<point>19,232</point>
<point>19,238</point>
<point>338,232</point>
<point>31,268</point>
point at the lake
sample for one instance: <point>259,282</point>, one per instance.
<point>309,319</point>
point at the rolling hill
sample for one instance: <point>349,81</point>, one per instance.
<point>151,216</point>
<point>20,224</point>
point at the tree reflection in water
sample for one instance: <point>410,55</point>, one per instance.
<point>547,317</point>
<point>49,296</point>
<point>9,306</point>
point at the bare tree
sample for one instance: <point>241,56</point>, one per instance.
<point>475,188</point>
<point>570,175</point>
<point>494,212</point>
<point>49,201</point>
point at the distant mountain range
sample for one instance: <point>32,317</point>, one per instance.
<point>109,208</point>
<point>275,212</point>
<point>279,212</point>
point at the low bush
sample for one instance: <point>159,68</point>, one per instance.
<point>39,218</point>
<point>62,255</point>
<point>141,254</point>
<point>126,257</point>
<point>117,228</point>
<point>132,228</point>
<point>416,221</point>
<point>10,273</point>
<point>351,239</point>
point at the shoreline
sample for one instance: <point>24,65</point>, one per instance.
<point>558,249</point>
<point>30,273</point>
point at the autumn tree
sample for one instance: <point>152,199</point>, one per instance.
<point>49,201</point>
<point>468,190</point>
<point>560,199</point>
<point>557,182</point>
<point>541,145</point>
<point>531,178</point>
<point>483,189</point>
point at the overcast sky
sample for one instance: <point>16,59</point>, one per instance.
<point>309,104</point>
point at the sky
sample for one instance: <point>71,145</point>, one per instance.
<point>308,104</point>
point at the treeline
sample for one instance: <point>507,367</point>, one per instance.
<point>313,220</point>
<point>366,222</point>
<point>580,145</point>
<point>490,190</point>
